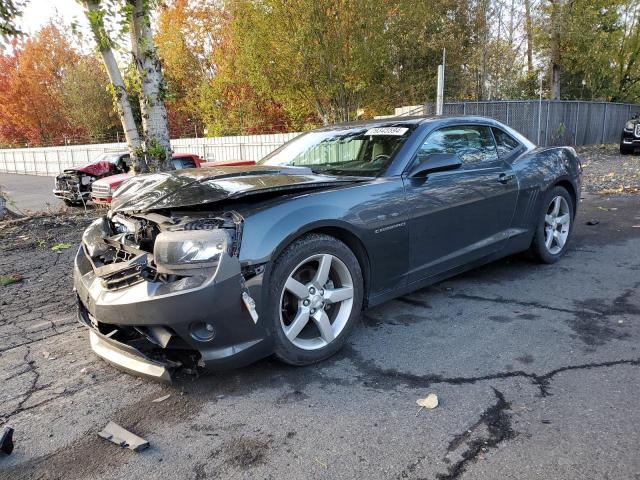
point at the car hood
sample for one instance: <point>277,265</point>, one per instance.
<point>113,180</point>
<point>95,169</point>
<point>208,185</point>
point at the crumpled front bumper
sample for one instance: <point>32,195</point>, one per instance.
<point>146,307</point>
<point>127,358</point>
<point>70,195</point>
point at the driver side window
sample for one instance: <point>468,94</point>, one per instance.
<point>473,144</point>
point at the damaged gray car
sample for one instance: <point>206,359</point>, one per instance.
<point>219,267</point>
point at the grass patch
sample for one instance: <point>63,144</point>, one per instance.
<point>9,279</point>
<point>60,246</point>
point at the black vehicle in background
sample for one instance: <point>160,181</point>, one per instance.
<point>630,136</point>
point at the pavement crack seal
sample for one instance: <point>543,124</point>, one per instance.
<point>493,428</point>
<point>376,377</point>
<point>503,300</point>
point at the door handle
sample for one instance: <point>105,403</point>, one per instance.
<point>506,177</point>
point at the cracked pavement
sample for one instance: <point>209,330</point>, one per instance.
<point>536,368</point>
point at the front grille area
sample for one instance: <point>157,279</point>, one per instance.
<point>100,190</point>
<point>67,183</point>
<point>637,133</point>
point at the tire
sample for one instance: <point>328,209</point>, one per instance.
<point>312,324</point>
<point>625,150</point>
<point>543,249</point>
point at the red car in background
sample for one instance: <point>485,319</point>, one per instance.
<point>73,185</point>
<point>102,190</point>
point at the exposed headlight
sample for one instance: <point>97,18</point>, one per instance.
<point>92,238</point>
<point>189,249</point>
<point>629,126</point>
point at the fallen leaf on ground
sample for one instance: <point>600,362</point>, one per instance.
<point>161,399</point>
<point>429,402</point>
<point>9,279</point>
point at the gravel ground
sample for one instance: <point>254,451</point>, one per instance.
<point>536,368</point>
<point>607,172</point>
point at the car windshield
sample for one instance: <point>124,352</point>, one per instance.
<point>108,157</point>
<point>357,151</point>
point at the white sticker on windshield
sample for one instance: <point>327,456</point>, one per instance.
<point>397,131</point>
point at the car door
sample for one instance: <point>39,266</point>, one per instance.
<point>460,215</point>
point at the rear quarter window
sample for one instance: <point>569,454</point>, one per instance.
<point>505,143</point>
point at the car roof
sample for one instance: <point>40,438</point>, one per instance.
<point>409,120</point>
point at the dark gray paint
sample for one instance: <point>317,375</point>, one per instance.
<point>407,232</point>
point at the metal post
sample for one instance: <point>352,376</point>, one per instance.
<point>440,92</point>
<point>604,122</point>
<point>539,111</point>
<point>546,128</point>
<point>35,165</point>
<point>507,122</point>
<point>15,165</point>
<point>575,129</point>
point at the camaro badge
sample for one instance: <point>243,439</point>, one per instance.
<point>389,227</point>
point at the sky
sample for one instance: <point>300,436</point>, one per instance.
<point>38,12</point>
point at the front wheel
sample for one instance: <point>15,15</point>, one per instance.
<point>315,293</point>
<point>554,226</point>
<point>624,150</point>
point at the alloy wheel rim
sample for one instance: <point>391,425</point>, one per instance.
<point>557,222</point>
<point>316,301</point>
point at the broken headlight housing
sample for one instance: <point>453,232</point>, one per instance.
<point>184,249</point>
<point>629,126</point>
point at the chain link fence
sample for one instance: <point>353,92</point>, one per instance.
<point>546,123</point>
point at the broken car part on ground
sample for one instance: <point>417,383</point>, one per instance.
<point>220,267</point>
<point>122,437</point>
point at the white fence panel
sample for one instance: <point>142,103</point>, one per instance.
<point>53,160</point>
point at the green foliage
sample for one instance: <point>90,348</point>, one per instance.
<point>58,247</point>
<point>10,10</point>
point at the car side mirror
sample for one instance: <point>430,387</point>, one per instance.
<point>436,162</point>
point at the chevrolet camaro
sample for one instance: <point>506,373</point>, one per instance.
<point>219,267</point>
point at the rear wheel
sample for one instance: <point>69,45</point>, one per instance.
<point>315,298</point>
<point>554,226</point>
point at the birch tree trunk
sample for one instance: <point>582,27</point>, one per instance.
<point>528,26</point>
<point>154,112</point>
<point>95,15</point>
<point>556,66</point>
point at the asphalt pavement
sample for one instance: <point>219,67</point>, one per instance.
<point>536,368</point>
<point>29,193</point>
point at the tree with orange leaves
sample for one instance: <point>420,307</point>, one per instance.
<point>50,92</point>
<point>30,106</point>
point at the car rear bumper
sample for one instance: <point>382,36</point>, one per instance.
<point>149,333</point>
